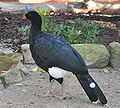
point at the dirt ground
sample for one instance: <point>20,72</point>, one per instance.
<point>28,93</point>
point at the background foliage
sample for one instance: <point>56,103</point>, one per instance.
<point>77,32</point>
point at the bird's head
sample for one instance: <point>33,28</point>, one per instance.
<point>31,14</point>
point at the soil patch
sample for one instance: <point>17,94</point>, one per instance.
<point>29,92</point>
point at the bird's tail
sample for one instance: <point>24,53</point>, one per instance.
<point>91,88</point>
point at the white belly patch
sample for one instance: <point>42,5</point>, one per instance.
<point>57,72</point>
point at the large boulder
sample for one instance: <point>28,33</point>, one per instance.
<point>15,74</point>
<point>11,69</point>
<point>27,54</point>
<point>95,55</point>
<point>6,61</point>
<point>114,49</point>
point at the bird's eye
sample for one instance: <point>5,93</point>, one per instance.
<point>30,15</point>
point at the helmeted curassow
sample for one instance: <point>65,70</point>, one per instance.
<point>56,56</point>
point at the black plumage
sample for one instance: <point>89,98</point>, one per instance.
<point>49,50</point>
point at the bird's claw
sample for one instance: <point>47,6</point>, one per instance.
<point>62,97</point>
<point>95,102</point>
<point>46,95</point>
<point>105,105</point>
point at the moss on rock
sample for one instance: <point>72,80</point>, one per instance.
<point>6,61</point>
<point>95,55</point>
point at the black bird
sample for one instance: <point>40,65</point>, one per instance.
<point>55,55</point>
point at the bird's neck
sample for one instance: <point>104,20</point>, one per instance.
<point>35,28</point>
<point>36,25</point>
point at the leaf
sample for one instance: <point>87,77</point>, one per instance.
<point>75,41</point>
<point>105,70</point>
<point>23,90</point>
<point>69,76</point>
<point>19,84</point>
<point>32,102</point>
<point>40,70</point>
<point>105,83</point>
<point>3,71</point>
<point>35,69</point>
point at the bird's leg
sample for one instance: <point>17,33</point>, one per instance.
<point>50,87</point>
<point>63,96</point>
<point>63,91</point>
<point>48,94</point>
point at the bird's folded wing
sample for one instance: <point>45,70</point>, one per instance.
<point>71,60</point>
<point>66,58</point>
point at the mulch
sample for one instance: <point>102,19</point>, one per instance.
<point>109,21</point>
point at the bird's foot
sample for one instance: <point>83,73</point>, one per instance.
<point>105,105</point>
<point>60,97</point>
<point>46,95</point>
<point>95,102</point>
<point>63,97</point>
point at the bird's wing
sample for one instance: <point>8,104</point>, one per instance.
<point>69,59</point>
<point>64,56</point>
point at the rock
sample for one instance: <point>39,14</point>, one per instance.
<point>114,49</point>
<point>11,69</point>
<point>4,51</point>
<point>91,5</point>
<point>77,7</point>
<point>1,53</point>
<point>27,54</point>
<point>15,74</point>
<point>6,61</point>
<point>95,55</point>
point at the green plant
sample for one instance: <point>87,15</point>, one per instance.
<point>43,11</point>
<point>24,30</point>
<point>89,31</point>
<point>78,32</point>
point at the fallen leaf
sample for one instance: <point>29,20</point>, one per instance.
<point>105,70</point>
<point>69,76</point>
<point>35,69</point>
<point>40,70</point>
<point>23,90</point>
<point>3,71</point>
<point>105,83</point>
<point>19,84</point>
<point>32,102</point>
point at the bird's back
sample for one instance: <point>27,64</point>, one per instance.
<point>45,46</point>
